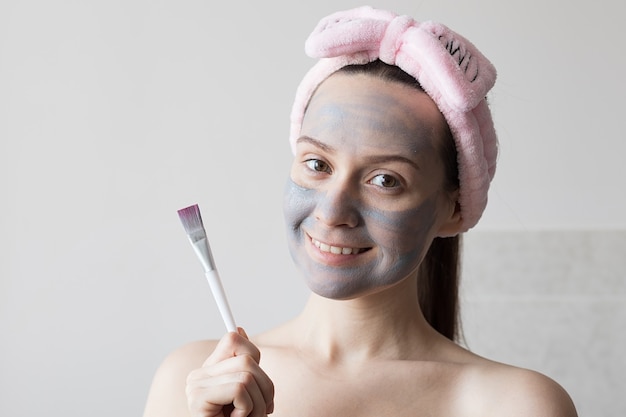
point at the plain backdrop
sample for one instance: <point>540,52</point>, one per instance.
<point>115,114</point>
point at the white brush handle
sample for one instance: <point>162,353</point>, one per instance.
<point>220,298</point>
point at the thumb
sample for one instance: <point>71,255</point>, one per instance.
<point>242,332</point>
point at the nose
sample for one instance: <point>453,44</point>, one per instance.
<point>338,205</point>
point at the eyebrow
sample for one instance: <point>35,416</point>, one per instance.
<point>377,159</point>
<point>393,158</point>
<point>316,143</point>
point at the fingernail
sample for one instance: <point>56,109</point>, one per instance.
<point>242,332</point>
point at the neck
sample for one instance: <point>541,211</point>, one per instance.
<point>385,325</point>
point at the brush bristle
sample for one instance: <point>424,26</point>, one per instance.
<point>191,219</point>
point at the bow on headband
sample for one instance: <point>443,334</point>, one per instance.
<point>456,68</point>
<point>450,69</point>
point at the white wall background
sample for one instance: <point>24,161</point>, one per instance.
<point>554,301</point>
<point>115,114</point>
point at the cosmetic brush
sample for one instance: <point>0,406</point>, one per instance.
<point>192,222</point>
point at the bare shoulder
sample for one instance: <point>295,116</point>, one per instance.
<point>191,355</point>
<point>167,395</point>
<point>513,391</point>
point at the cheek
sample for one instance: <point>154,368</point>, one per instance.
<point>403,239</point>
<point>298,203</point>
<point>404,235</point>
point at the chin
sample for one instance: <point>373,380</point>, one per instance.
<point>339,287</point>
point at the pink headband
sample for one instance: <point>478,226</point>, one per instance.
<point>448,67</point>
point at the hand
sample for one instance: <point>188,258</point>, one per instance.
<point>231,383</point>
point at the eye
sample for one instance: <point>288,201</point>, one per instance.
<point>317,165</point>
<point>385,181</point>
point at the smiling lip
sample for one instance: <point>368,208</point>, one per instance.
<point>336,250</point>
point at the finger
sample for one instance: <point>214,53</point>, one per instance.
<point>248,383</point>
<point>211,394</point>
<point>230,370</point>
<point>216,400</point>
<point>242,332</point>
<point>233,344</point>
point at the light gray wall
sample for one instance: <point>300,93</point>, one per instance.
<point>553,301</point>
<point>115,114</point>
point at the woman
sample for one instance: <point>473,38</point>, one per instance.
<point>394,152</point>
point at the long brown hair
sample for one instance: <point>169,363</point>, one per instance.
<point>439,272</point>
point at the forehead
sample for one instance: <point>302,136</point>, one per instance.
<point>367,111</point>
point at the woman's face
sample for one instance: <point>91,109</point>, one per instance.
<point>366,195</point>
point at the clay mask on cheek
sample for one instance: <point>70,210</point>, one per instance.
<point>402,238</point>
<point>299,208</point>
<point>298,203</point>
<point>397,241</point>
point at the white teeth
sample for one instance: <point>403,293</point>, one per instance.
<point>336,250</point>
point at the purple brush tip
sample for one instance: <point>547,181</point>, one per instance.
<point>191,219</point>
